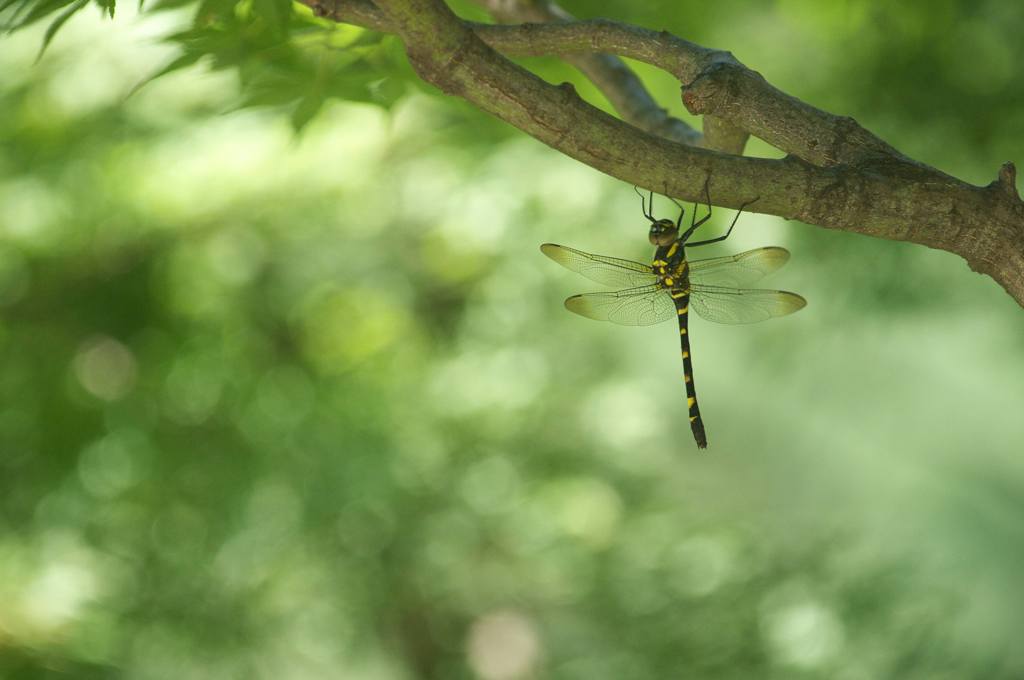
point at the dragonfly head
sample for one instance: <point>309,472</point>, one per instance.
<point>662,233</point>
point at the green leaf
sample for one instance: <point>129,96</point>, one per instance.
<point>307,109</point>
<point>284,60</point>
<point>107,6</point>
<point>183,61</point>
<point>387,91</point>
<point>38,11</point>
<point>7,3</point>
<point>57,23</point>
<point>9,25</point>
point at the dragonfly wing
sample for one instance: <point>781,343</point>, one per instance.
<point>632,307</point>
<point>610,271</point>
<point>742,269</point>
<point>742,305</point>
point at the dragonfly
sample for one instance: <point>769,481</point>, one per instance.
<point>716,288</point>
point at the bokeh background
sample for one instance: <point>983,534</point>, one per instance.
<point>288,390</point>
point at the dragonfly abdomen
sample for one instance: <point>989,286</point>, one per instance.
<point>682,302</point>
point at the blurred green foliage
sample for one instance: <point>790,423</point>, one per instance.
<point>308,405</point>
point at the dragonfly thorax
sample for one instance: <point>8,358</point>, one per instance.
<point>672,274</point>
<point>663,232</point>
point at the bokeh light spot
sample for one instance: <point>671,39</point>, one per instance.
<point>343,327</point>
<point>586,508</point>
<point>62,584</point>
<point>623,415</point>
<point>193,388</point>
<point>503,645</point>
<point>700,565</point>
<point>107,467</point>
<point>105,368</point>
<point>29,211</point>
<point>799,629</point>
<point>235,256</point>
<point>490,485</point>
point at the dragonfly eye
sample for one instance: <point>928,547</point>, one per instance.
<point>662,233</point>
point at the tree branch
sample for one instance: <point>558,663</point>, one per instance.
<point>613,78</point>
<point>718,133</point>
<point>616,81</point>
<point>714,83</point>
<point>851,180</point>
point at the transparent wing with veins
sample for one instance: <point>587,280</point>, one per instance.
<point>740,270</point>
<point>742,305</point>
<point>610,271</point>
<point>641,306</point>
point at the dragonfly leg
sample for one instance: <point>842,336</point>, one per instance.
<point>707,202</point>
<point>694,222</point>
<point>682,211</point>
<point>643,205</point>
<point>728,231</point>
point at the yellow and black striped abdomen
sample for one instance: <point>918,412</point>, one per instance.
<point>681,297</point>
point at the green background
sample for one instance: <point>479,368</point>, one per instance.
<point>289,391</point>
